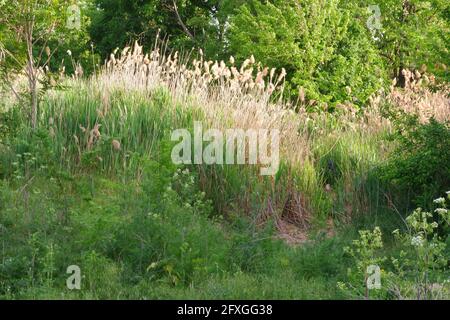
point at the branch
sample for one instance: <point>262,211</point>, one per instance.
<point>185,29</point>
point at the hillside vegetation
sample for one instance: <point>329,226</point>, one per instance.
<point>87,178</point>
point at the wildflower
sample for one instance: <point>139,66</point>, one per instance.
<point>69,52</point>
<point>440,200</point>
<point>417,241</point>
<point>153,265</point>
<point>348,89</point>
<point>441,211</point>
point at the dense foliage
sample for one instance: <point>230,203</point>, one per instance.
<point>358,92</point>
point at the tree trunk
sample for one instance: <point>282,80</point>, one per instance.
<point>31,75</point>
<point>34,104</point>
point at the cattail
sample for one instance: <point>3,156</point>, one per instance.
<point>47,51</point>
<point>214,69</point>
<point>423,68</point>
<point>207,64</point>
<point>417,74</point>
<point>245,64</point>
<point>79,70</point>
<point>252,59</point>
<point>116,145</point>
<point>112,58</point>
<point>96,131</point>
<point>51,132</point>
<point>146,60</point>
<point>272,72</point>
<point>301,94</point>
<point>232,60</point>
<point>282,75</point>
<point>100,113</point>
<point>125,50</point>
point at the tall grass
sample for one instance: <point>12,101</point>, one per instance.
<point>114,119</point>
<point>125,113</point>
<point>110,205</point>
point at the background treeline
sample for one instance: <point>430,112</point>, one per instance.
<point>87,178</point>
<point>331,56</point>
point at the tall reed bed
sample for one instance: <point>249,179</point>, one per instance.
<point>126,112</point>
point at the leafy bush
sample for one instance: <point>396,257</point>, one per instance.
<point>323,46</point>
<point>418,271</point>
<point>419,165</point>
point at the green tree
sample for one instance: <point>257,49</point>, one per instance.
<point>414,33</point>
<point>27,28</point>
<point>188,23</point>
<point>326,50</point>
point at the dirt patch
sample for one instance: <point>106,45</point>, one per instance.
<point>295,220</point>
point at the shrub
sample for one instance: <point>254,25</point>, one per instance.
<point>419,164</point>
<point>418,271</point>
<point>324,47</point>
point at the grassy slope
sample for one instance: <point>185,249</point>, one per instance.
<point>140,227</point>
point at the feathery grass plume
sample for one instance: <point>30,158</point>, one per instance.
<point>418,98</point>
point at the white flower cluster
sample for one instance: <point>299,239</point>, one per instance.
<point>441,211</point>
<point>417,241</point>
<point>439,200</point>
